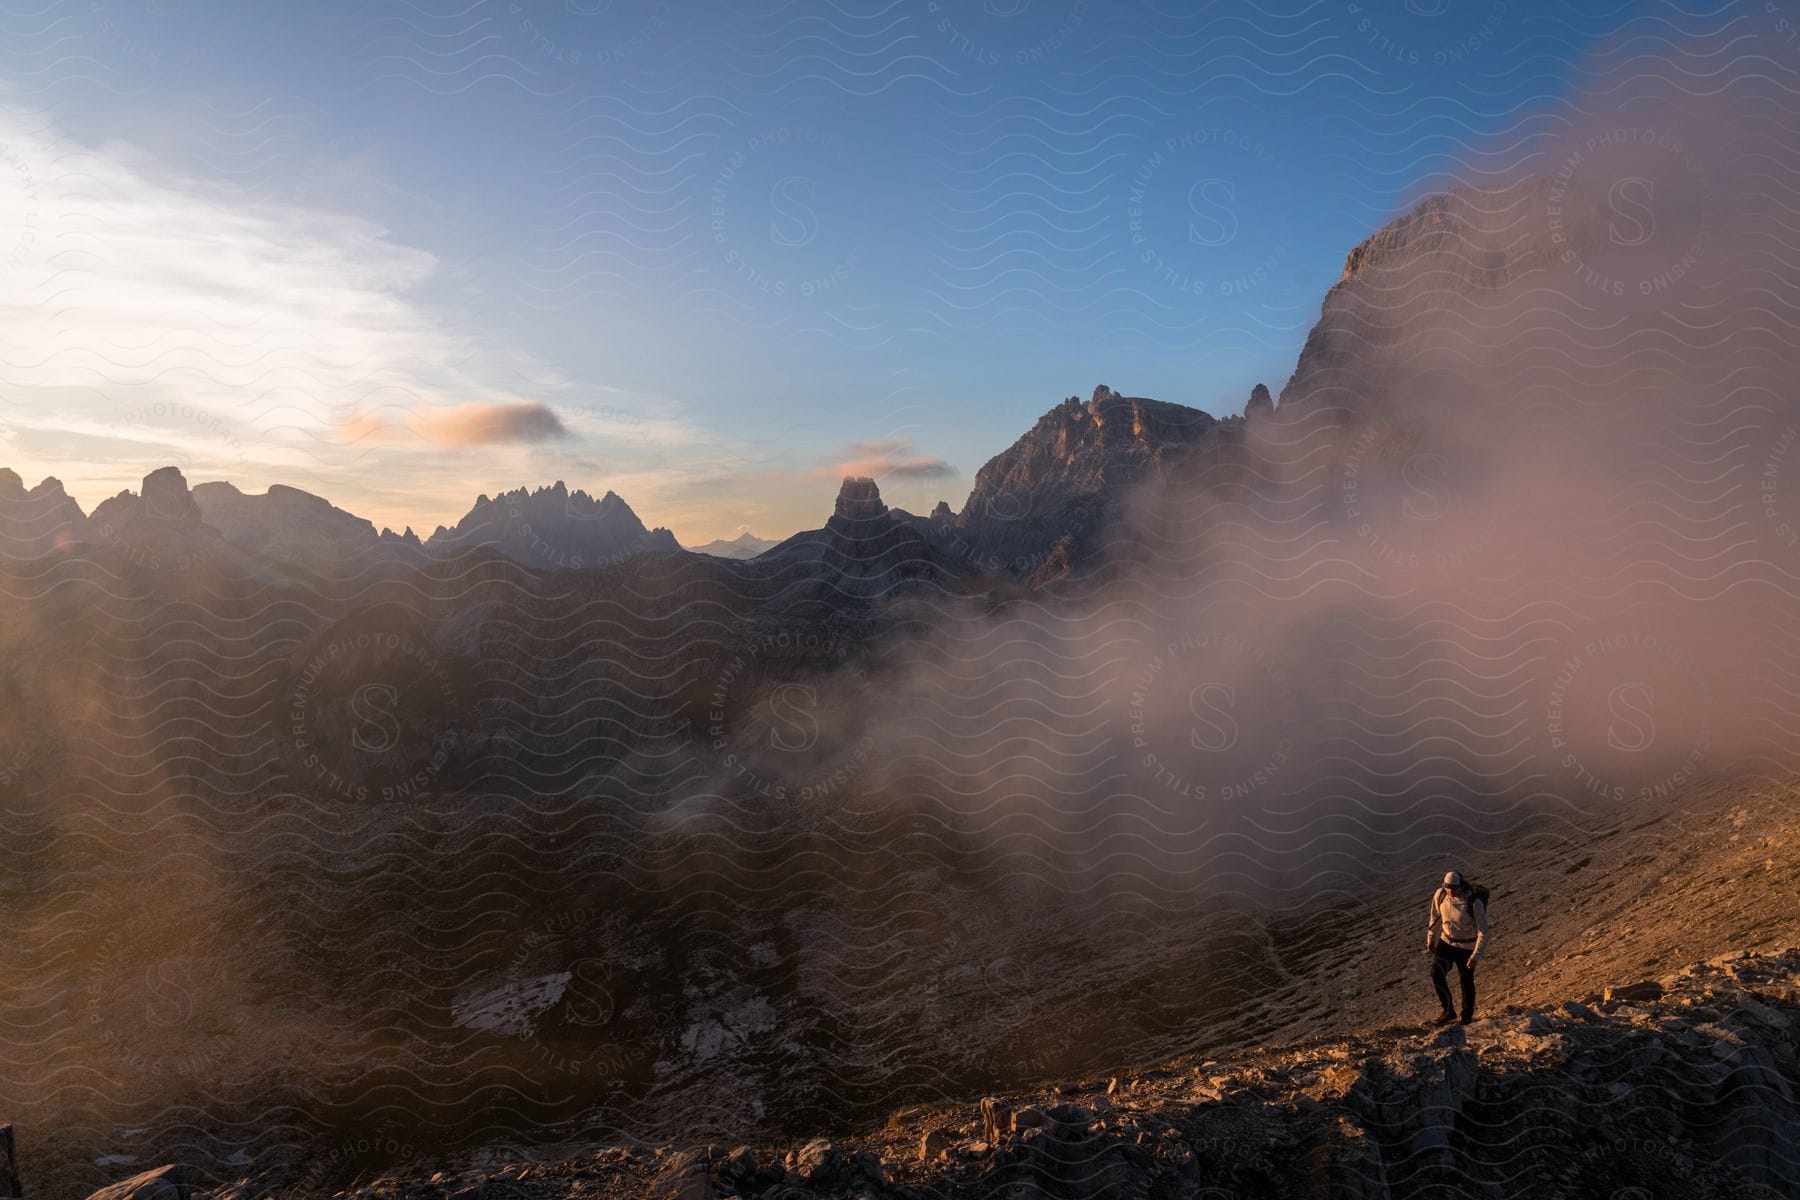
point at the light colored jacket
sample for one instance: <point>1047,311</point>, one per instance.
<point>1457,921</point>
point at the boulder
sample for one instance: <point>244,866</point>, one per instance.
<point>1634,993</point>
<point>739,1166</point>
<point>1071,1115</point>
<point>167,1182</point>
<point>687,1176</point>
<point>865,1166</point>
<point>1758,1011</point>
<point>819,1162</point>
<point>1029,1117</point>
<point>934,1143</point>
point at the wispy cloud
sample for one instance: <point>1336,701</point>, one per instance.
<point>888,458</point>
<point>153,318</point>
<point>170,320</point>
<point>466,425</point>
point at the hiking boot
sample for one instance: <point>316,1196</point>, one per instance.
<point>1464,1020</point>
<point>1445,1018</point>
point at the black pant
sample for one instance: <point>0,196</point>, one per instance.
<point>1442,959</point>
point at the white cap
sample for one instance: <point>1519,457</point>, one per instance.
<point>1452,879</point>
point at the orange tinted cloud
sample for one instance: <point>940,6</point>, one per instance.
<point>467,425</point>
<point>887,458</point>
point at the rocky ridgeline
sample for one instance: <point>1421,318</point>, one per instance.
<point>1683,1086</point>
<point>1037,511</point>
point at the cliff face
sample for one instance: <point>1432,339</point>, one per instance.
<point>1441,261</point>
<point>872,547</point>
<point>1047,495</point>
<point>286,526</point>
<point>1080,451</point>
<point>35,522</point>
<point>158,528</point>
<point>554,528</point>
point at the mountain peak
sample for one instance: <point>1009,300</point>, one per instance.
<point>859,497</point>
<point>553,527</point>
<point>285,525</point>
<point>1078,450</point>
<point>1449,250</point>
<point>35,522</point>
<point>1260,404</point>
<point>166,497</point>
<point>745,545</point>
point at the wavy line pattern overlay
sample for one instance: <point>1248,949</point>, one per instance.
<point>329,850</point>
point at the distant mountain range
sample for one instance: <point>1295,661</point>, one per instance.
<point>1036,512</point>
<point>1047,490</point>
<point>744,545</point>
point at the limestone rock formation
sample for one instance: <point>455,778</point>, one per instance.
<point>36,522</point>
<point>1448,253</point>
<point>1260,404</point>
<point>286,526</point>
<point>1066,473</point>
<point>158,528</point>
<point>553,528</point>
<point>869,541</point>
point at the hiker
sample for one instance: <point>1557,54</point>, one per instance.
<point>1456,935</point>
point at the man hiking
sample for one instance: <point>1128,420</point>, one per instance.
<point>1456,935</point>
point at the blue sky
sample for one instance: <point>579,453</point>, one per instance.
<point>733,249</point>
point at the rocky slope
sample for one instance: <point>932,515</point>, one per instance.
<point>930,1014</point>
<point>1677,1086</point>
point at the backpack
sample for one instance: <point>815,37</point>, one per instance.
<point>1478,893</point>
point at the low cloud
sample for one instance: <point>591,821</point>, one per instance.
<point>887,458</point>
<point>466,425</point>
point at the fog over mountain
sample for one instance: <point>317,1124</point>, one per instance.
<point>544,833</point>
